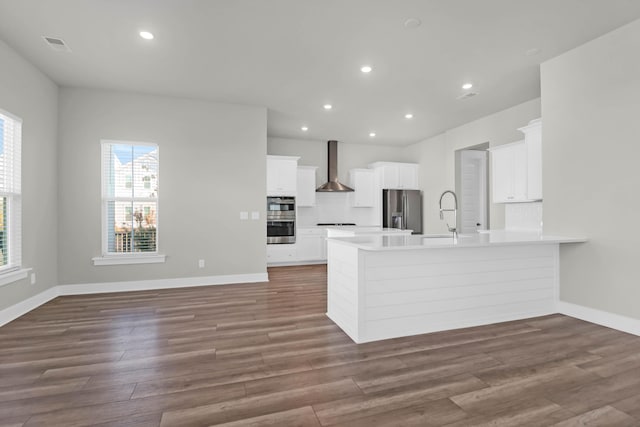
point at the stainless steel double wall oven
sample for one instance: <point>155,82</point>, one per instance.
<point>281,220</point>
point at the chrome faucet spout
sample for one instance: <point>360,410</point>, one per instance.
<point>453,229</point>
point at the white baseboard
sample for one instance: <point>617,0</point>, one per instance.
<point>599,317</point>
<point>23,307</point>
<point>147,285</point>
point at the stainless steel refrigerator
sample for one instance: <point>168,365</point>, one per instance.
<point>402,209</point>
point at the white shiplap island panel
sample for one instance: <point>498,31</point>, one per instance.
<point>376,294</point>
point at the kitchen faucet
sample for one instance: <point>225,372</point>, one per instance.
<point>453,229</point>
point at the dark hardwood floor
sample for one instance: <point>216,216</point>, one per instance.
<point>266,355</point>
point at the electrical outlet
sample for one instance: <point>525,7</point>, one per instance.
<point>201,263</point>
<point>244,215</point>
<point>33,278</point>
<point>255,215</point>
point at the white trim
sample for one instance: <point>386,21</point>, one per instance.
<point>599,317</point>
<point>145,285</point>
<point>128,259</point>
<point>23,307</point>
<point>296,263</point>
<point>13,276</point>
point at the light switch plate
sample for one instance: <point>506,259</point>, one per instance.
<point>255,215</point>
<point>244,215</point>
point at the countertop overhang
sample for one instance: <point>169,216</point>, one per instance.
<point>441,241</point>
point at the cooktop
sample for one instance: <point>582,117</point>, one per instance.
<point>336,223</point>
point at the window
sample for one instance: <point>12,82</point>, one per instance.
<point>10,192</point>
<point>129,198</point>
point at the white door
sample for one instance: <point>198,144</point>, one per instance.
<point>472,175</point>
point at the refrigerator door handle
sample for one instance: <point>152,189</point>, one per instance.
<point>404,211</point>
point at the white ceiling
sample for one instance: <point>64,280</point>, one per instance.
<point>293,56</point>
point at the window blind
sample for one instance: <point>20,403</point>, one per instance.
<point>130,197</point>
<point>10,192</point>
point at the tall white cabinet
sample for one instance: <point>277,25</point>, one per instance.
<point>533,141</point>
<point>363,183</point>
<point>517,167</point>
<point>306,186</point>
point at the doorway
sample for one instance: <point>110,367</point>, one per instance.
<point>472,188</point>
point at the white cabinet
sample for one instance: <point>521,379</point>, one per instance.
<point>310,243</point>
<point>306,186</point>
<point>281,253</point>
<point>517,167</point>
<point>395,175</point>
<point>363,183</point>
<point>533,140</point>
<point>282,174</point>
<point>509,169</point>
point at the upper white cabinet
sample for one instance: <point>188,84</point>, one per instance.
<point>509,166</point>
<point>306,191</point>
<point>517,167</point>
<point>363,183</point>
<point>282,174</point>
<point>395,175</point>
<point>533,140</point>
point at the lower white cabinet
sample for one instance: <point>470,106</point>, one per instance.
<point>310,247</point>
<point>281,253</point>
<point>311,244</point>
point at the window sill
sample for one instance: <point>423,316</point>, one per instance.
<point>13,276</point>
<point>128,259</point>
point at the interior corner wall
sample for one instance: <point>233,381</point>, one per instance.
<point>29,94</point>
<point>591,146</point>
<point>212,167</point>
<point>430,155</point>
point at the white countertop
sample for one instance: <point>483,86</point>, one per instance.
<point>358,230</point>
<point>419,241</point>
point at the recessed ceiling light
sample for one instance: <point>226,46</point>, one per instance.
<point>467,86</point>
<point>366,69</point>
<point>408,116</point>
<point>304,128</point>
<point>372,134</point>
<point>328,106</point>
<point>146,35</point>
<point>412,23</point>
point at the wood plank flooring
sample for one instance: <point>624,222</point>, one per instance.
<point>266,355</point>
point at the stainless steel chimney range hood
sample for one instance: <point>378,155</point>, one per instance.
<point>333,185</point>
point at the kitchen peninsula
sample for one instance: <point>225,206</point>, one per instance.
<point>391,286</point>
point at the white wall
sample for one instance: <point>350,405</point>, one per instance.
<point>591,147</point>
<point>437,157</point>
<point>212,166</point>
<point>30,95</point>
<point>431,155</point>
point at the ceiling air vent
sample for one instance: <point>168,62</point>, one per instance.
<point>467,95</point>
<point>56,44</point>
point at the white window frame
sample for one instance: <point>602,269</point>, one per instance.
<point>13,270</point>
<point>116,258</point>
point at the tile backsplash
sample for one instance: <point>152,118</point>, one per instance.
<point>523,216</point>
